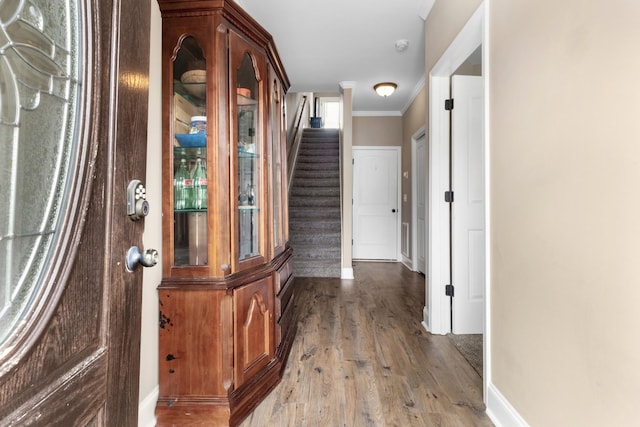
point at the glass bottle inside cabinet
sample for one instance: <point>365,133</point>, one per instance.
<point>247,95</point>
<point>190,155</point>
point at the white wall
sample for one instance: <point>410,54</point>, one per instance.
<point>152,237</point>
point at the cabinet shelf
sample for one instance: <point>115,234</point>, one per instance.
<point>246,101</point>
<point>195,93</point>
<point>190,210</point>
<point>191,140</point>
<point>247,155</point>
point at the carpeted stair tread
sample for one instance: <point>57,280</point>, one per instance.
<point>304,215</point>
<point>318,182</point>
<point>328,238</point>
<point>320,151</point>
<point>327,213</point>
<point>316,168</point>
<point>317,196</point>
<point>317,228</point>
<point>310,251</point>
<point>317,159</point>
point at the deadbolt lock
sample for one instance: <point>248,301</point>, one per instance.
<point>137,205</point>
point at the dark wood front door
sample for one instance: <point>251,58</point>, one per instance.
<point>72,358</point>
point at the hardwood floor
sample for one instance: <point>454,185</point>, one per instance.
<point>362,358</point>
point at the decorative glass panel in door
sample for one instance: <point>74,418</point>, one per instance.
<point>190,155</point>
<point>247,95</point>
<point>40,126</point>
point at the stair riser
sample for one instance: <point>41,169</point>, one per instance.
<point>304,217</point>
<point>316,271</point>
<point>332,160</point>
<point>334,241</point>
<point>315,203</point>
<point>316,253</point>
<point>300,217</point>
<point>305,178</point>
<point>319,148</point>
<point>316,170</point>
<point>316,192</point>
<point>306,183</point>
<point>319,231</point>
<point>313,174</point>
<point>313,150</point>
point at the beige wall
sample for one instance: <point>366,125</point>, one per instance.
<point>292,101</point>
<point>346,139</point>
<point>469,69</point>
<point>565,210</point>
<point>443,23</point>
<point>377,131</point>
<point>413,119</point>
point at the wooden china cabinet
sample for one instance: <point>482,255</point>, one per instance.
<point>227,318</point>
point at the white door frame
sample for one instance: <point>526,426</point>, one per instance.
<point>414,196</point>
<point>398,150</point>
<point>437,313</point>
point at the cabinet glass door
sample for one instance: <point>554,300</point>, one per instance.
<point>249,191</point>
<point>190,199</point>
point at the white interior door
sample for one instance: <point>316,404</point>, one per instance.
<point>421,205</point>
<point>467,218</point>
<point>375,203</point>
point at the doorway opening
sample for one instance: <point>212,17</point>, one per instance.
<point>330,111</point>
<point>460,54</point>
<point>419,211</point>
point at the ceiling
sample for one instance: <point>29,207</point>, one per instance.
<point>325,43</point>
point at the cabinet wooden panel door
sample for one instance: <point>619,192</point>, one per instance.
<point>254,331</point>
<point>192,327</point>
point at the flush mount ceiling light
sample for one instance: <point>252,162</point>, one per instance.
<point>385,89</point>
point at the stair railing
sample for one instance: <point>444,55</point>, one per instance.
<point>293,144</point>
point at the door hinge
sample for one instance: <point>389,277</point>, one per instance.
<point>448,196</point>
<point>448,104</point>
<point>353,161</point>
<point>448,290</point>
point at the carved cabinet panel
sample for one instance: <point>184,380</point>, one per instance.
<point>254,332</point>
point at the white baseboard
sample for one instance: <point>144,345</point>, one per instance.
<point>407,262</point>
<point>500,410</point>
<point>425,318</point>
<point>147,409</point>
<point>347,274</point>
